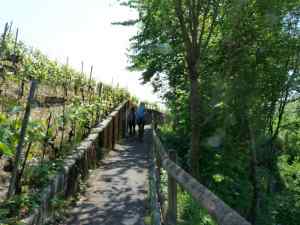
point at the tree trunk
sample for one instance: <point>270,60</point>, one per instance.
<point>195,122</point>
<point>192,39</point>
<point>253,177</point>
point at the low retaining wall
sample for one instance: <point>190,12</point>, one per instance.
<point>84,157</point>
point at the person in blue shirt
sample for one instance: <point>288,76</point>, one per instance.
<point>140,118</point>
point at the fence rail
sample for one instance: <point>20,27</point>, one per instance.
<point>216,208</point>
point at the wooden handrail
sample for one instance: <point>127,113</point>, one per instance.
<point>218,209</point>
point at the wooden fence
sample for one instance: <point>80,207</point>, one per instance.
<point>161,214</point>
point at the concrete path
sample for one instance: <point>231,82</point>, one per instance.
<point>117,190</point>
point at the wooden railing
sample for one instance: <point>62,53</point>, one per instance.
<point>161,214</point>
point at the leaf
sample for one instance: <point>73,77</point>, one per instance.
<point>2,118</point>
<point>5,149</point>
<point>4,212</point>
<point>16,109</point>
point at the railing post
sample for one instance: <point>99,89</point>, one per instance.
<point>115,129</point>
<point>172,195</point>
<point>105,139</point>
<point>118,127</point>
<point>126,113</point>
<point>155,122</point>
<point>113,122</point>
<point>120,123</point>
<point>110,134</point>
<point>124,121</point>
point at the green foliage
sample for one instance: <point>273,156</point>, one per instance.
<point>8,136</point>
<point>190,212</point>
<point>59,206</point>
<point>249,87</point>
<point>17,207</point>
<point>5,149</point>
<point>38,176</point>
<point>176,141</point>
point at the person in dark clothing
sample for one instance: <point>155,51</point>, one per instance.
<point>131,121</point>
<point>140,117</point>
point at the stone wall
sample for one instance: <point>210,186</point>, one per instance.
<point>76,166</point>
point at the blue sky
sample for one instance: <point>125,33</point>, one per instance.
<point>82,31</point>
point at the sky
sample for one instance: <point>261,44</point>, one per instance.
<point>80,30</point>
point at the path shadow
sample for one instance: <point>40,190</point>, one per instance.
<point>118,188</point>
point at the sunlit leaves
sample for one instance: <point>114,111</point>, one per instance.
<point>5,149</point>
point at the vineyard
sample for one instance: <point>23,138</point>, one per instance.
<point>46,108</point>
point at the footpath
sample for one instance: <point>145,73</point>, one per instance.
<point>117,191</point>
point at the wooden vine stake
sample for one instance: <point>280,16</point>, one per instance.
<point>22,84</point>
<point>64,112</point>
<point>99,107</point>
<point>16,43</point>
<point>90,84</point>
<point>3,38</point>
<point>19,149</point>
<point>10,27</point>
<point>90,91</point>
<point>65,83</point>
<point>63,127</point>
<point>82,85</point>
<point>2,46</point>
<point>46,136</point>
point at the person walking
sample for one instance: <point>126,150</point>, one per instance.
<point>132,121</point>
<point>140,117</point>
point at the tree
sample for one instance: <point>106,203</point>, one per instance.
<point>188,36</point>
<point>238,61</point>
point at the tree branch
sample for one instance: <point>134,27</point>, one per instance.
<point>212,26</point>
<point>179,13</point>
<point>204,18</point>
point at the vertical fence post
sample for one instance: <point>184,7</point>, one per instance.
<point>120,123</point>
<point>172,195</point>
<point>101,145</point>
<point>110,134</point>
<point>117,126</point>
<point>126,113</point>
<point>124,121</point>
<point>155,119</point>
<point>105,138</point>
<point>114,132</point>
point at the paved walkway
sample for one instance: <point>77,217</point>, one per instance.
<point>117,190</point>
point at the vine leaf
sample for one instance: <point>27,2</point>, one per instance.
<point>5,149</point>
